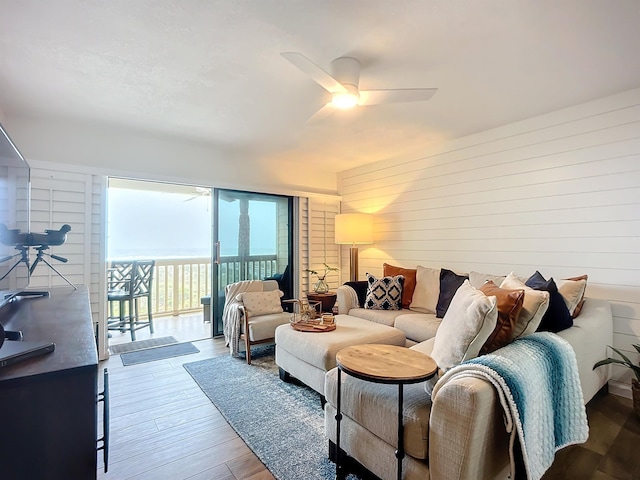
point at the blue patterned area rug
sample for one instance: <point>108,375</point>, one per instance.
<point>282,423</point>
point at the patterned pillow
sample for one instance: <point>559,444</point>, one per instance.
<point>261,303</point>
<point>384,293</point>
<point>409,275</point>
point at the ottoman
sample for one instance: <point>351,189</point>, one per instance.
<point>307,356</point>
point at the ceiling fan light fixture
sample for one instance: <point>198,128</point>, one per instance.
<point>345,100</point>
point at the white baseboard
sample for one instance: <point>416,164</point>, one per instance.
<point>622,389</point>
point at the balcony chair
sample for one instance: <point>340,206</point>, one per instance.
<point>127,283</point>
<point>253,306</point>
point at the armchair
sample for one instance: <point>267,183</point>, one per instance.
<point>252,312</point>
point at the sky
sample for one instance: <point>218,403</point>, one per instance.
<point>152,224</point>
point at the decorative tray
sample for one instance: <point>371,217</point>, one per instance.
<point>313,327</point>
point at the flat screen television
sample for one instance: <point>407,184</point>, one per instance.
<point>14,219</point>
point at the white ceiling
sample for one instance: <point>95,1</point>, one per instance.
<point>211,71</point>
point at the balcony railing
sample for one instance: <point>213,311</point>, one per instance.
<point>179,284</point>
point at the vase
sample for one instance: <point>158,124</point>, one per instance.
<point>635,391</point>
<point>321,286</point>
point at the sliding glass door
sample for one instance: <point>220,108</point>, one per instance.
<point>253,241</point>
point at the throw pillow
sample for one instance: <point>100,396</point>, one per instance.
<point>449,284</point>
<point>261,303</point>
<point>384,293</point>
<point>557,316</point>
<point>535,304</point>
<point>477,279</point>
<point>572,290</point>
<point>425,295</point>
<point>409,275</point>
<point>509,306</point>
<point>469,321</point>
<point>360,287</point>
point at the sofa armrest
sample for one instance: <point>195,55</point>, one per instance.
<point>467,434</point>
<point>346,298</point>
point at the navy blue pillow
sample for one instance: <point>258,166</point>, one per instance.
<point>449,284</point>
<point>361,290</point>
<point>557,316</point>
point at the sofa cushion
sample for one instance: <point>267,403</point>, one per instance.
<point>573,290</point>
<point>384,293</point>
<point>535,304</point>
<point>509,305</point>
<point>375,407</point>
<point>418,327</point>
<point>409,275</point>
<point>385,317</point>
<point>557,316</point>
<point>477,279</point>
<point>261,303</point>
<point>425,295</point>
<point>449,284</point>
<point>466,326</point>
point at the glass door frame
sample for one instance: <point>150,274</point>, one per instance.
<point>217,294</point>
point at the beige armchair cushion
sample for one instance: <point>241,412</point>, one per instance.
<point>261,303</point>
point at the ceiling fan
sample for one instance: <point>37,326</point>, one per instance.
<point>342,84</point>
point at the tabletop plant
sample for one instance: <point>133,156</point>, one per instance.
<point>321,285</point>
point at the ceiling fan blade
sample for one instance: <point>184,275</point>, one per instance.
<point>376,97</point>
<point>317,74</point>
<point>321,114</point>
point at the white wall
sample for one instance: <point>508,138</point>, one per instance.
<point>559,193</point>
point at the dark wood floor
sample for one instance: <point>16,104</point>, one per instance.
<point>164,427</point>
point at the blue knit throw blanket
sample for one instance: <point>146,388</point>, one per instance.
<point>537,380</point>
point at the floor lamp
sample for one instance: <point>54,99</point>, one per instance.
<point>354,229</point>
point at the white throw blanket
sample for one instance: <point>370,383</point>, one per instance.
<point>537,380</point>
<point>231,316</point>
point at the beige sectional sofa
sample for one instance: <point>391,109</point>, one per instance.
<point>462,434</point>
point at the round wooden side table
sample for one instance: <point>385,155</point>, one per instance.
<point>327,300</point>
<point>388,364</point>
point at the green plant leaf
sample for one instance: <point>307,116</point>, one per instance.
<point>609,361</point>
<point>624,357</point>
<point>637,347</point>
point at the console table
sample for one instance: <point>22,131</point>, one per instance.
<point>48,409</point>
<point>382,364</point>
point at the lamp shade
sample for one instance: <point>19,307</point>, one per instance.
<point>354,228</point>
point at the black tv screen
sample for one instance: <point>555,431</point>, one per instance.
<point>14,219</point>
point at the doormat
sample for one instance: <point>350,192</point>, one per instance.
<point>158,353</point>
<point>141,345</point>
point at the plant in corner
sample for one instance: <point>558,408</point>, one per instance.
<point>321,286</point>
<point>635,382</point>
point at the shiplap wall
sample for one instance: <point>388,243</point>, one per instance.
<point>559,193</point>
<point>321,244</point>
<point>61,197</point>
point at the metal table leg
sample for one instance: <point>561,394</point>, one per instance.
<point>339,467</point>
<point>400,450</point>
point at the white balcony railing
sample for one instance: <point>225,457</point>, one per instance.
<point>179,284</point>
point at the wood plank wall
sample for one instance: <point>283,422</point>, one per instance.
<point>62,197</point>
<point>319,242</point>
<point>559,193</point>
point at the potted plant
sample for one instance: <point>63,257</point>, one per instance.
<point>635,382</point>
<point>321,286</point>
